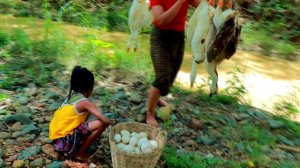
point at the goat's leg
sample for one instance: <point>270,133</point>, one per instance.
<point>129,40</point>
<point>211,69</point>
<point>135,40</point>
<point>193,74</point>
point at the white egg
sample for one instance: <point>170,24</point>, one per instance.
<point>125,138</point>
<point>133,141</point>
<point>137,150</point>
<point>125,132</point>
<point>146,147</point>
<point>133,134</point>
<point>142,140</point>
<point>117,138</point>
<point>154,144</point>
<point>128,149</point>
<point>121,146</point>
<point>143,134</point>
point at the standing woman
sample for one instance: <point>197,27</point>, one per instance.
<point>167,48</point>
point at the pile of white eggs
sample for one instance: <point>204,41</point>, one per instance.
<point>134,143</point>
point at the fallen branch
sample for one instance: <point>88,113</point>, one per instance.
<point>289,148</point>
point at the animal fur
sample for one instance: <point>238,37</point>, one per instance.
<point>140,17</point>
<point>220,42</point>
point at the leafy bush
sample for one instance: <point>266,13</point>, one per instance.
<point>4,38</point>
<point>22,44</point>
<point>117,19</point>
<point>278,17</point>
<point>6,6</point>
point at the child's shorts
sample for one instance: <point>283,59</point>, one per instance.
<point>70,144</point>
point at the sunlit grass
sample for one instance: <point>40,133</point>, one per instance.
<point>253,36</point>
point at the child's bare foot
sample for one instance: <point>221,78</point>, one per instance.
<point>152,121</point>
<point>82,157</point>
<point>162,103</point>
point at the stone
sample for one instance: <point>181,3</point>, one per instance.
<point>53,106</point>
<point>143,110</point>
<point>173,117</point>
<point>112,115</point>
<point>260,115</point>
<point>196,112</point>
<point>22,118</point>
<point>55,164</point>
<point>11,158</point>
<point>46,140</point>
<point>274,124</point>
<point>196,124</point>
<point>243,116</point>
<point>141,118</point>
<point>240,147</point>
<point>37,162</point>
<point>28,152</point>
<point>265,148</point>
<point>51,95</point>
<point>18,164</point>
<point>135,98</point>
<point>30,129</point>
<point>25,109</point>
<point>27,138</point>
<point>16,126</point>
<point>242,108</point>
<point>4,135</point>
<point>206,140</point>
<point>49,150</point>
<point>23,100</point>
<point>164,113</point>
<point>16,134</point>
<point>185,131</point>
<point>1,152</point>
<point>120,96</point>
<point>284,140</point>
<point>189,143</point>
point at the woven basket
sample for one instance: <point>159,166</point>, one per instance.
<point>128,160</point>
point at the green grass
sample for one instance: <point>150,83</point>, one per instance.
<point>191,160</point>
<point>3,96</point>
<point>254,35</point>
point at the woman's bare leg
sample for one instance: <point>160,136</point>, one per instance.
<point>153,98</point>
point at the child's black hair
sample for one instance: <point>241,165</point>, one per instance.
<point>82,80</point>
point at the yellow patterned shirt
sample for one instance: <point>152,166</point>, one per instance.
<point>67,118</point>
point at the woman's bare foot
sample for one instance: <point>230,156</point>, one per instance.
<point>151,121</point>
<point>162,103</point>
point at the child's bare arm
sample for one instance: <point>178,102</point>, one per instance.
<point>91,108</point>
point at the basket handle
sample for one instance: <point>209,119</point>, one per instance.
<point>162,132</point>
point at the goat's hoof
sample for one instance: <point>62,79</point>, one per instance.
<point>135,49</point>
<point>128,49</point>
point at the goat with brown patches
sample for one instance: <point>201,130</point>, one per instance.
<point>216,43</point>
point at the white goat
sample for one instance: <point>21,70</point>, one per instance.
<point>198,29</point>
<point>140,16</point>
<point>215,44</point>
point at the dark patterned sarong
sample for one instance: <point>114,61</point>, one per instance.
<point>167,49</point>
<point>70,144</point>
